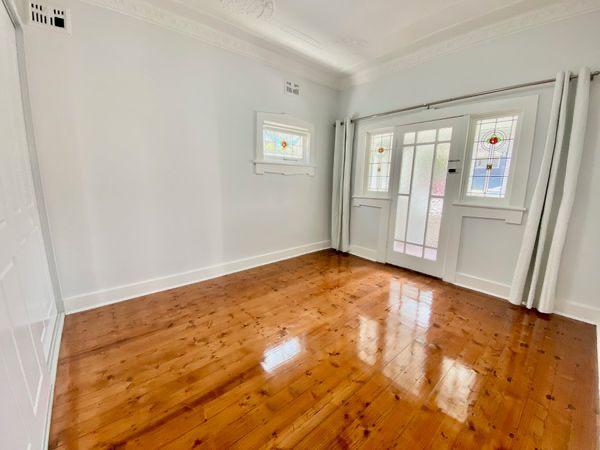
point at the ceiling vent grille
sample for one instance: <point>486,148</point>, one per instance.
<point>50,16</point>
<point>292,88</point>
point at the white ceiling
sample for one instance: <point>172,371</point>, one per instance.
<point>345,42</point>
<point>347,35</point>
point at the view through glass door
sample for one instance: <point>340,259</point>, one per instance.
<point>421,192</point>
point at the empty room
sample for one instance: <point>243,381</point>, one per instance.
<point>299,224</point>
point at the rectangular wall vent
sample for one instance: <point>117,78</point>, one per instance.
<point>49,16</point>
<point>292,88</point>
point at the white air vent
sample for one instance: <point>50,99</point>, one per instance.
<point>292,88</point>
<point>50,16</point>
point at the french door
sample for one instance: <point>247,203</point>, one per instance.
<point>425,182</point>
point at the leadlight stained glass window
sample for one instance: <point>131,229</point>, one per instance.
<point>280,142</point>
<point>379,162</point>
<point>492,149</point>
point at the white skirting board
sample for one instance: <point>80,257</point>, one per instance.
<point>484,285</point>
<point>363,252</point>
<point>579,311</point>
<point>117,294</point>
<point>54,352</point>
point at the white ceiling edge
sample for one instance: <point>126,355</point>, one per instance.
<point>320,74</point>
<point>142,10</point>
<point>532,19</point>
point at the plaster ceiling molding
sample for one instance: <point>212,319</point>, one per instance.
<point>347,42</point>
<point>352,42</point>
<point>552,13</point>
<point>298,35</point>
<point>283,30</point>
<point>260,9</point>
<point>344,34</point>
<point>146,12</point>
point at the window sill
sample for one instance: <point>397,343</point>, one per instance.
<point>371,202</point>
<point>489,206</point>
<point>384,197</point>
<point>283,168</point>
<point>510,214</point>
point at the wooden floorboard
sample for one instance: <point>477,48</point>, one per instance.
<point>324,351</point>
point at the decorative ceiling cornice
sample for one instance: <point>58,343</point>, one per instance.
<point>316,72</point>
<point>226,41</point>
<point>260,9</point>
<point>552,13</point>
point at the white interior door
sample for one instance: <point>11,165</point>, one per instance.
<point>27,305</point>
<point>422,193</point>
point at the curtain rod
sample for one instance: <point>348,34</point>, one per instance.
<point>464,97</point>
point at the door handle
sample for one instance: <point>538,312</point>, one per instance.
<point>453,165</point>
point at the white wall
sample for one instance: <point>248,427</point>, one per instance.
<point>145,139</point>
<point>534,54</point>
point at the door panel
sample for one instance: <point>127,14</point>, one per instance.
<point>12,430</point>
<point>27,304</point>
<point>22,335</point>
<point>420,193</point>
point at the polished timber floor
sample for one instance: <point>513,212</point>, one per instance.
<point>324,351</point>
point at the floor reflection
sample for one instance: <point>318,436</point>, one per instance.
<point>413,305</point>
<point>408,313</point>
<point>411,362</point>
<point>407,372</point>
<point>278,355</point>
<point>395,333</point>
<point>408,308</point>
<point>456,387</point>
<point>368,340</point>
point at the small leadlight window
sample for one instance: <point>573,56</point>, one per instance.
<point>283,145</point>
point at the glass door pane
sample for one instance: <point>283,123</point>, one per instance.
<point>421,190</point>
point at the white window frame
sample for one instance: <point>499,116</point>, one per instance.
<point>264,164</point>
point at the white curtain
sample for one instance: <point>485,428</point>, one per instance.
<point>340,200</point>
<point>536,271</point>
